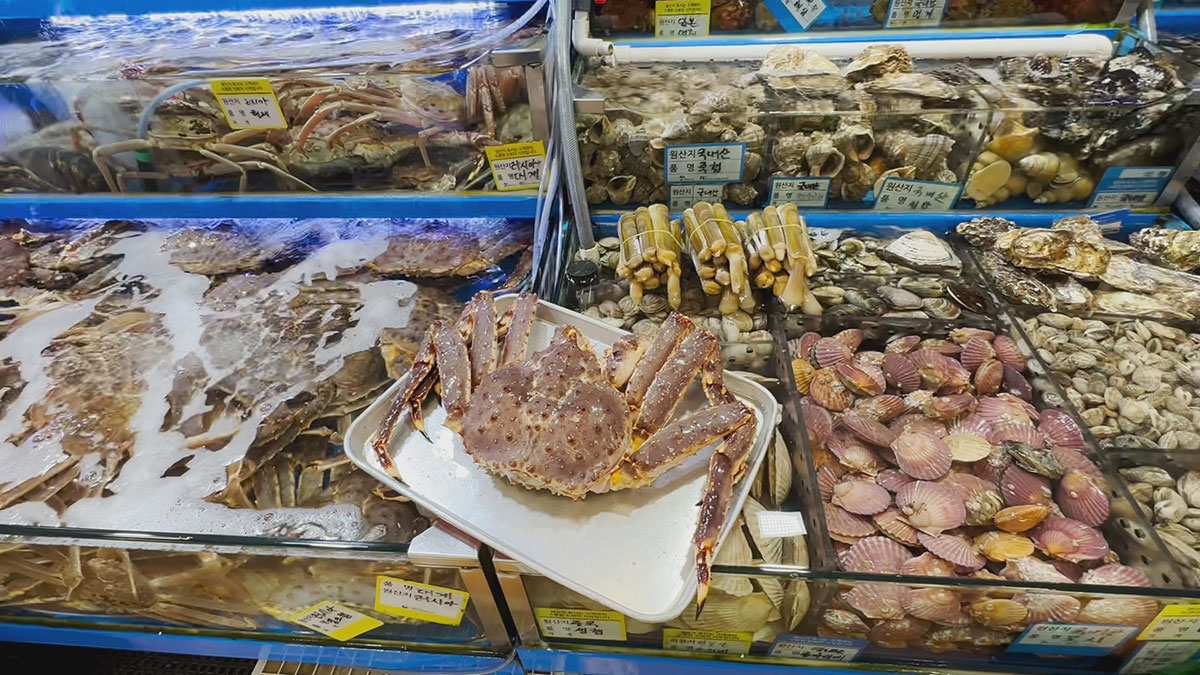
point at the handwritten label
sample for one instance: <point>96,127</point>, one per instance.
<point>339,623</point>
<point>902,194</point>
<point>707,641</point>
<point>1155,657</point>
<point>1076,639</point>
<point>580,624</point>
<point>803,192</point>
<point>1174,622</point>
<point>1130,186</point>
<point>916,13</point>
<point>517,166</point>
<point>249,104</point>
<point>420,601</point>
<point>685,196</point>
<point>843,650</point>
<point>796,15</point>
<point>681,18</point>
<point>708,163</point>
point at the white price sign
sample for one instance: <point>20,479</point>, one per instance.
<point>420,601</point>
<point>580,624</point>
<point>803,192</point>
<point>517,166</point>
<point>685,196</point>
<point>796,15</point>
<point>843,650</point>
<point>681,18</point>
<point>707,641</point>
<point>1155,657</point>
<point>776,524</point>
<point>707,163</point>
<point>901,194</point>
<point>1080,639</point>
<point>339,623</point>
<point>916,13</point>
<point>249,104</point>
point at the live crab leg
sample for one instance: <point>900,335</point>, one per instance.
<point>520,321</point>
<point>420,372</point>
<point>454,370</point>
<point>484,347</point>
<point>667,388</point>
<point>670,334</point>
<point>725,469</point>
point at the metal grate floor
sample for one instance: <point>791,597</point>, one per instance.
<point>23,659</point>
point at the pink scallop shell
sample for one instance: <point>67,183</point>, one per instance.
<point>940,346</point>
<point>1022,433</point>
<point>1081,498</point>
<point>861,497</point>
<point>900,373</point>
<point>1116,575</point>
<point>1008,352</point>
<point>931,604</point>
<point>998,411</point>
<point>829,352</point>
<point>931,508</point>
<point>827,390</point>
<point>917,401</point>
<point>927,565</point>
<point>875,600</point>
<point>1060,428</point>
<point>917,424</point>
<point>903,344</point>
<point>1016,384</point>
<point>989,376</point>
<point>1071,458</point>
<point>992,467</point>
<point>975,352</point>
<point>973,424</point>
<point>968,486</point>
<point>1032,569</point>
<point>921,455</point>
<point>1068,569</point>
<point>1050,607</point>
<point>892,479</point>
<point>867,429</point>
<point>958,379</point>
<point>931,367</point>
<point>844,622</point>
<point>875,555</point>
<point>817,421</point>
<point>1120,610</point>
<point>805,345</point>
<point>851,338</point>
<point>953,549</point>
<point>869,357</point>
<point>853,454</point>
<point>947,408</point>
<point>860,379</point>
<point>846,525</point>
<point>826,479</point>
<point>964,335</point>
<point>1069,539</point>
<point>1030,411</point>
<point>898,631</point>
<point>891,522</point>
<point>883,408</point>
<point>1018,486</point>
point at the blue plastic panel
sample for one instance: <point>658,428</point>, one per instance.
<point>596,663</point>
<point>28,9</point>
<point>1178,20</point>
<point>725,39</point>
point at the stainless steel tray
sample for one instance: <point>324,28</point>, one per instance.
<point>630,550</point>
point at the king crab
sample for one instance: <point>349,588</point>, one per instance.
<point>564,421</point>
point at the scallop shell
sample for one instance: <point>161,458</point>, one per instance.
<point>779,471</point>
<point>931,604</point>
<point>1007,351</point>
<point>802,347</point>
<point>732,614</point>
<point>967,447</point>
<point>1021,518</point>
<point>1080,498</point>
<point>917,424</point>
<point>900,373</point>
<point>964,335</point>
<point>931,367</point>
<point>883,408</point>
<point>1016,384</point>
<point>997,612</point>
<point>1060,428</point>
<point>975,352</point>
<point>869,357</point>
<point>851,338</point>
<point>864,380</point>
<point>1032,569</point>
<point>973,424</point>
<point>998,411</point>
<point>1050,607</point>
<point>803,371</point>
<point>1074,459</point>
<point>991,468</point>
<point>852,454</point>
<point>947,408</point>
<point>860,497</point>
<point>1021,433</point>
<point>827,390</point>
<point>844,622</point>
<point>1116,575</point>
<point>1068,569</point>
<point>891,522</point>
<point>943,347</point>
<point>826,479</point>
<point>980,497</point>
<point>1069,539</point>
<point>797,600</point>
<point>927,565</point>
<point>876,600</point>
<point>989,377</point>
<point>845,526</point>
<point>903,344</point>
<point>953,549</point>
<point>828,352</point>
<point>770,549</point>
<point>892,479</point>
<point>921,455</point>
<point>735,551</point>
<point>773,589</point>
<point>1018,486</point>
<point>898,631</point>
<point>1122,610</point>
<point>931,508</point>
<point>817,421</point>
<point>1031,413</point>
<point>1000,546</point>
<point>875,555</point>
<point>868,430</point>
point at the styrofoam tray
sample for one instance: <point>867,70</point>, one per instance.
<point>630,550</point>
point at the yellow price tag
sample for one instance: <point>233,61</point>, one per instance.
<point>338,622</point>
<point>249,104</point>
<point>681,18</point>
<point>1174,622</point>
<point>580,624</point>
<point>707,641</point>
<point>420,601</point>
<point>517,166</point>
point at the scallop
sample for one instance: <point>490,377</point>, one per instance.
<point>845,526</point>
<point>953,549</point>
<point>1032,569</point>
<point>1060,428</point>
<point>1016,384</point>
<point>1119,610</point>
<point>975,352</point>
<point>828,352</point>
<point>927,565</point>
<point>876,600</point>
<point>973,424</point>
<point>1070,458</point>
<point>1018,486</point>
<point>947,408</point>
<point>931,508</point>
<point>826,480</point>
<point>851,338</point>
<point>770,549</point>
<point>875,555</point>
<point>898,631</point>
<point>801,347</point>
<point>922,455</point>
<point>931,604</point>
<point>1069,539</point>
<point>803,371</point>
<point>967,447</point>
<point>892,479</point>
<point>1080,498</point>
<point>853,454</point>
<point>963,335</point>
<point>1009,352</point>
<point>913,423</point>
<point>1021,518</point>
<point>997,613</point>
<point>998,411</point>
<point>1116,575</point>
<point>862,379</point>
<point>989,377</point>
<point>883,408</point>
<point>733,614</point>
<point>828,391</point>
<point>844,622</point>
<point>1021,433</point>
<point>891,522</point>
<point>1050,607</point>
<point>1000,546</point>
<point>860,497</point>
<point>900,373</point>
<point>902,344</point>
<point>817,421</point>
<point>867,429</point>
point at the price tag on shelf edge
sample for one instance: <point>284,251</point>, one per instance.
<point>1155,657</point>
<point>685,196</point>
<point>517,166</point>
<point>1174,622</point>
<point>843,650</point>
<point>796,15</point>
<point>707,641</point>
<point>1075,639</point>
<point>420,601</point>
<point>681,18</point>
<point>705,163</point>
<point>806,193</point>
<point>903,194</point>
<point>915,13</point>
<point>1130,186</point>
<point>580,624</point>
<point>249,104</point>
<point>339,623</point>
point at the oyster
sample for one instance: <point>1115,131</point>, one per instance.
<point>804,71</point>
<point>877,60</point>
<point>982,232</point>
<point>1121,302</point>
<point>1176,249</point>
<point>1016,285</point>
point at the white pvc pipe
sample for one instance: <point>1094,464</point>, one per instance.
<point>581,39</point>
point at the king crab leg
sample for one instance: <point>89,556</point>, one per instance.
<point>520,322</point>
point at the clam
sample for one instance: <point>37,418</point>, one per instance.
<point>898,298</point>
<point>922,251</point>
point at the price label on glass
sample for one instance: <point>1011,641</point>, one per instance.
<point>517,166</point>
<point>339,623</point>
<point>1174,622</point>
<point>707,163</point>
<point>249,104</point>
<point>812,193</point>
<point>420,601</point>
<point>777,524</point>
<point>580,624</point>
<point>685,196</point>
<point>796,15</point>
<point>707,641</point>
<point>1155,657</point>
<point>902,194</point>
<point>843,650</point>
<point>916,13</point>
<point>681,18</point>
<point>1122,186</point>
<point>1076,639</point>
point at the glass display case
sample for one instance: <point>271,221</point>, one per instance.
<point>380,99</point>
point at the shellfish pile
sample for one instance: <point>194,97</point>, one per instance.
<point>1174,506</point>
<point>1133,382</point>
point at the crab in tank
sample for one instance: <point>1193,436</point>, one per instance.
<point>616,411</point>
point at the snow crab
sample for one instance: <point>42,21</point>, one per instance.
<point>564,421</point>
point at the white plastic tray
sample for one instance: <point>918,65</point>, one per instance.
<point>630,550</point>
